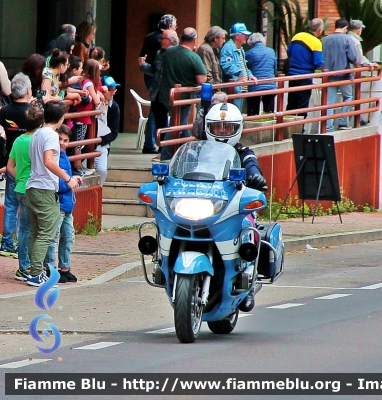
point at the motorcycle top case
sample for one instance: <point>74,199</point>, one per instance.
<point>268,265</point>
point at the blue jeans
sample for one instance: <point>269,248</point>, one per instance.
<point>150,132</point>
<point>347,94</point>
<point>23,232</point>
<point>166,152</point>
<point>10,213</point>
<point>65,231</point>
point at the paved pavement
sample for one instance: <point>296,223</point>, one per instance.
<point>113,253</point>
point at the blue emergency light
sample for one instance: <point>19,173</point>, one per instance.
<point>160,169</point>
<point>237,174</point>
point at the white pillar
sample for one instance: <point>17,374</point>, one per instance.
<point>376,117</point>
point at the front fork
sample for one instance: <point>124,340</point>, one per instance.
<point>206,276</point>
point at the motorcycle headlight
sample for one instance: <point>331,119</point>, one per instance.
<point>195,209</point>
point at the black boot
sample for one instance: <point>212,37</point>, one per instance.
<point>248,303</point>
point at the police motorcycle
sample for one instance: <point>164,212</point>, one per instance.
<point>208,252</point>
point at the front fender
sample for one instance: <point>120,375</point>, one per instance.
<point>193,262</point>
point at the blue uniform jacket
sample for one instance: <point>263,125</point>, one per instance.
<point>65,194</point>
<point>248,160</point>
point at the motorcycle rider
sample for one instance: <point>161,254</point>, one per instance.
<point>224,123</point>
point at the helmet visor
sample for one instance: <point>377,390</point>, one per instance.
<point>222,129</point>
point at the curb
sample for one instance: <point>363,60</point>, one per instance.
<point>131,270</point>
<point>334,239</point>
<point>134,269</point>
<point>128,270</point>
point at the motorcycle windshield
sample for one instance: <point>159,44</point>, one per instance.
<point>204,161</point>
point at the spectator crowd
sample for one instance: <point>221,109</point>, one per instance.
<point>166,63</point>
<point>41,181</point>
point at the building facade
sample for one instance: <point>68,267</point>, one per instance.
<point>27,25</point>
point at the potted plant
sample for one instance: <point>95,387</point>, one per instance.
<point>264,136</point>
<point>288,131</point>
<point>267,134</point>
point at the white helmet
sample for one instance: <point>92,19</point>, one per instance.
<point>224,123</point>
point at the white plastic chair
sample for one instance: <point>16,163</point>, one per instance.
<point>142,120</point>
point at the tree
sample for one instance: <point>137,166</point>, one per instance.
<point>370,13</point>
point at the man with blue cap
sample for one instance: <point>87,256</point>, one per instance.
<point>232,60</point>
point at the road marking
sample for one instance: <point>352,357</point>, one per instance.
<point>244,315</point>
<point>333,296</point>
<point>23,363</point>
<point>372,287</point>
<point>162,331</point>
<point>97,346</point>
<point>311,287</point>
<point>375,286</point>
<point>287,305</point>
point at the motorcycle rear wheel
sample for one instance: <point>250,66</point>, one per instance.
<point>188,310</point>
<point>224,326</point>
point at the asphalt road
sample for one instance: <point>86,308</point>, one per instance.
<point>323,315</point>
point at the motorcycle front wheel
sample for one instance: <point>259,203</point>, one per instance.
<point>188,310</point>
<point>224,326</point>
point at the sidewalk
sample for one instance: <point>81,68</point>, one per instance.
<point>114,253</point>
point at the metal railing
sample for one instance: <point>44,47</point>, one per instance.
<point>90,143</point>
<point>374,102</point>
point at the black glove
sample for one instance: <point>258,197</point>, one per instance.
<point>256,181</point>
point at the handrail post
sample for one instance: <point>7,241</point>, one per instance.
<point>324,100</point>
<point>175,117</point>
<point>231,90</point>
<point>91,134</point>
<point>357,95</point>
<point>280,108</point>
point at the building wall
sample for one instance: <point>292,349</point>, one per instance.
<point>194,13</point>
<point>17,35</point>
<point>327,8</point>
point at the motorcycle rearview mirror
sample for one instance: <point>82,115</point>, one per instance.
<point>248,252</point>
<point>147,245</point>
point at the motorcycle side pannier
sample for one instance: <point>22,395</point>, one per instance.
<point>270,266</point>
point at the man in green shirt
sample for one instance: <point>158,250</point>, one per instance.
<point>181,65</point>
<point>19,166</point>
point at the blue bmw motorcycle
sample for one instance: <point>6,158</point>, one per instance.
<point>207,252</point>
